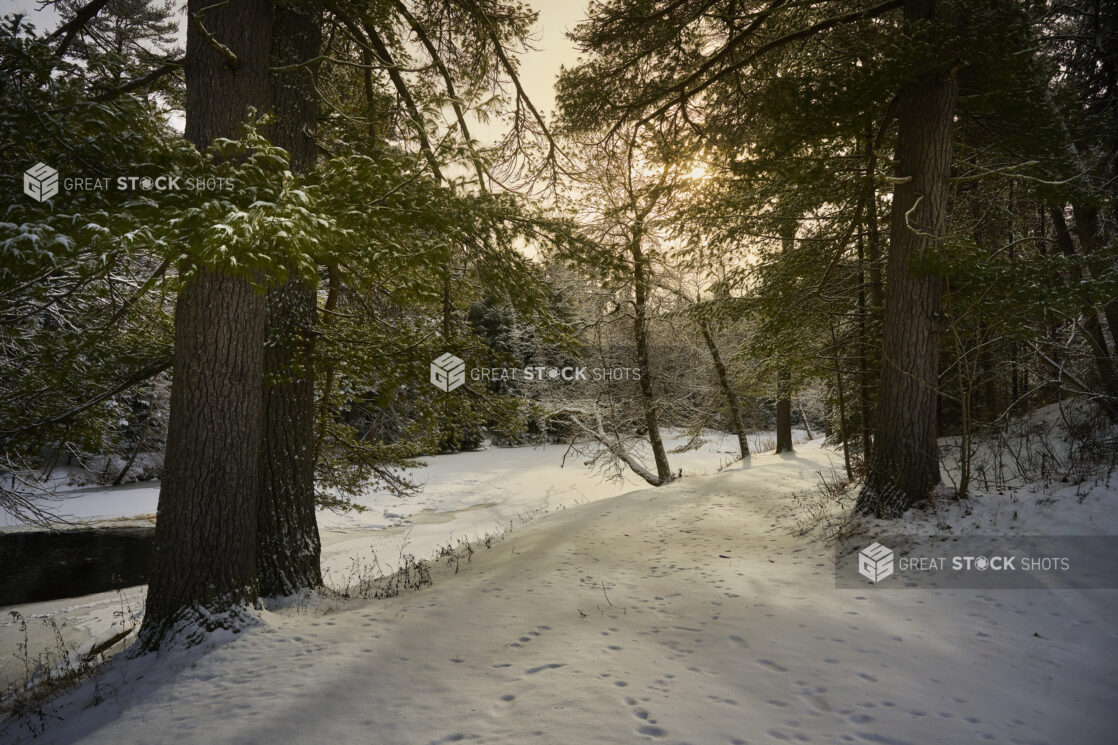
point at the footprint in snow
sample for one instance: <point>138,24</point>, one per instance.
<point>770,665</point>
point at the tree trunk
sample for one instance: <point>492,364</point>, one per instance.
<point>727,388</point>
<point>783,377</point>
<point>806,423</point>
<point>783,412</point>
<point>905,462</point>
<point>641,285</point>
<point>1089,229</point>
<point>204,574</point>
<point>873,239</point>
<point>325,410</point>
<point>842,408</point>
<point>288,548</point>
<point>865,385</point>
<point>869,276</point>
<point>1092,326</point>
<point>205,564</point>
<point>288,545</point>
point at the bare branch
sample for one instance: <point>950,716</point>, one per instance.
<point>140,82</point>
<point>70,30</point>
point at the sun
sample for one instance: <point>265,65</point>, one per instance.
<point>698,173</point>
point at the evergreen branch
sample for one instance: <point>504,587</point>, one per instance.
<point>139,376</point>
<point>843,242</point>
<point>456,104</point>
<point>679,93</point>
<point>143,290</point>
<point>365,34</point>
<point>510,69</point>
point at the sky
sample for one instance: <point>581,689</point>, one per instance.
<point>539,68</point>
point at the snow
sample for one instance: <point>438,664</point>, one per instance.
<point>692,613</point>
<point>465,496</point>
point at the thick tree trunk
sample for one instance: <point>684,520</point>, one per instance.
<point>205,566</point>
<point>204,575</point>
<point>727,388</point>
<point>288,543</point>
<point>641,285</point>
<point>905,462</point>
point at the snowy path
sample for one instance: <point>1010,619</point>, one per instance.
<point>464,497</point>
<point>719,627</point>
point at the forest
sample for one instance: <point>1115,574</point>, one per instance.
<point>273,256</point>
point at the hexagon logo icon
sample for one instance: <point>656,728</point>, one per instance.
<point>448,372</point>
<point>875,562</point>
<point>40,182</point>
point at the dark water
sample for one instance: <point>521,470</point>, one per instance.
<point>37,566</point>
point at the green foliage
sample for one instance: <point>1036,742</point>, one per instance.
<point>88,278</point>
<point>83,302</point>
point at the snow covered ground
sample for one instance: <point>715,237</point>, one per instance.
<point>693,613</point>
<point>464,497</point>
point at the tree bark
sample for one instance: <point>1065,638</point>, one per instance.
<point>869,268</point>
<point>727,388</point>
<point>288,547</point>
<point>842,407</point>
<point>783,412</point>
<point>865,384</point>
<point>783,377</point>
<point>204,574</point>
<point>641,285</point>
<point>873,235</point>
<point>905,462</point>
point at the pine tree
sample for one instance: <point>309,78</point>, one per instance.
<point>288,546</point>
<point>205,574</point>
<point>905,463</point>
